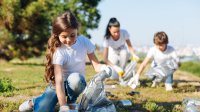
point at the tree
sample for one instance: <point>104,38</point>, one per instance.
<point>25,24</point>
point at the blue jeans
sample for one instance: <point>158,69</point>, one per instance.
<point>169,79</point>
<point>46,102</point>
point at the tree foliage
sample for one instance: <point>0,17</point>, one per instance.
<point>25,24</point>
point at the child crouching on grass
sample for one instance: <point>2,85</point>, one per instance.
<point>65,68</point>
<point>165,62</point>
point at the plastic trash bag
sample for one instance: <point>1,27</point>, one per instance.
<point>129,73</point>
<point>191,105</point>
<point>94,97</point>
<point>161,71</point>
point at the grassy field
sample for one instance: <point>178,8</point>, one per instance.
<point>28,81</point>
<point>192,67</point>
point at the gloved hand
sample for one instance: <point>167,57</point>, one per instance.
<point>64,109</point>
<point>107,69</point>
<point>134,81</point>
<point>119,70</point>
<point>135,57</point>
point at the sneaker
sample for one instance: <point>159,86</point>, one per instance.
<point>154,84</point>
<point>25,107</point>
<point>168,87</point>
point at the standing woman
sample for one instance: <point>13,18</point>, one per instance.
<point>116,53</point>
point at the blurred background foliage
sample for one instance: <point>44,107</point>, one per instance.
<point>25,25</point>
<point>191,67</point>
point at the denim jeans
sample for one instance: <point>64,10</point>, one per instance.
<point>169,79</point>
<point>46,102</point>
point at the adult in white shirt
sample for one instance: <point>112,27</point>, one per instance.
<point>116,41</point>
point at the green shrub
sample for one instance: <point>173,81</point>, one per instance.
<point>153,107</point>
<point>8,106</point>
<point>192,67</point>
<point>177,108</point>
<point>5,85</point>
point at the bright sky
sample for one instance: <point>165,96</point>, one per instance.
<point>180,19</point>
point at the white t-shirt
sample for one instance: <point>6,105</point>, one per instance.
<point>161,57</point>
<point>119,44</point>
<point>72,59</point>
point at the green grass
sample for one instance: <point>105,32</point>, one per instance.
<point>192,67</point>
<point>28,79</point>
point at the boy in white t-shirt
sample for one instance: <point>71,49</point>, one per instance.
<point>65,68</point>
<point>115,43</point>
<point>162,55</point>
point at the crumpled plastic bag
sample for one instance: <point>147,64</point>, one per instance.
<point>94,96</point>
<point>191,105</point>
<point>161,71</point>
<point>129,73</point>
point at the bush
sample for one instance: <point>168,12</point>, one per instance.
<point>177,108</point>
<point>5,85</point>
<point>153,107</point>
<point>192,67</point>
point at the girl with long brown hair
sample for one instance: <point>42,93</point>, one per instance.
<point>65,68</point>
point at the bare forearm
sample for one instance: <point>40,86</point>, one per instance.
<point>108,62</point>
<point>130,47</point>
<point>141,68</point>
<point>61,94</point>
<point>97,67</point>
<point>132,50</point>
<point>143,65</point>
<point>60,91</point>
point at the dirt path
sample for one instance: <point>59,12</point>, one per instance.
<point>183,78</point>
